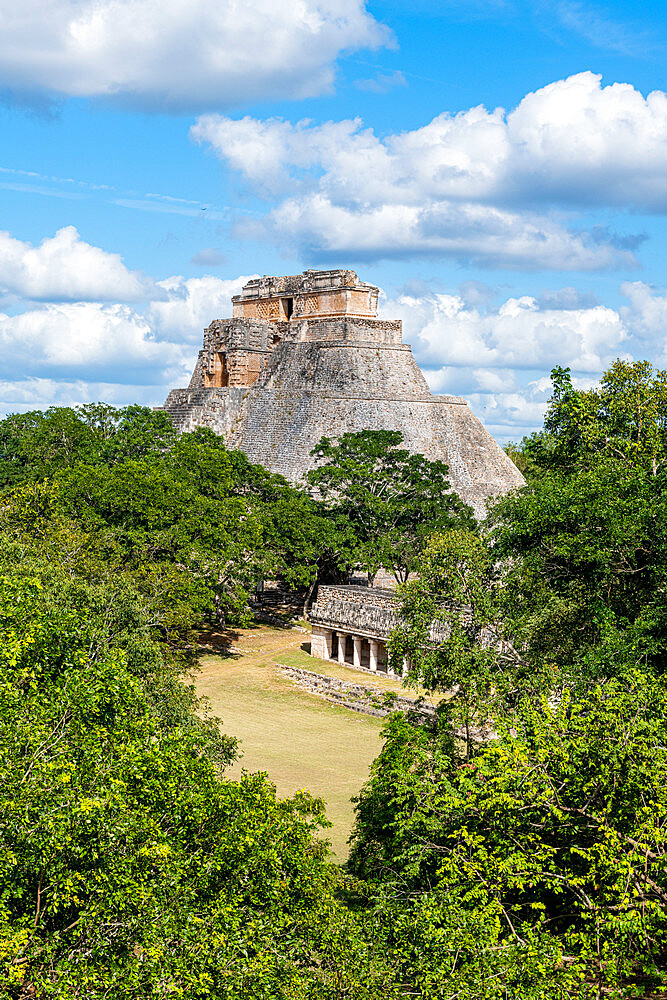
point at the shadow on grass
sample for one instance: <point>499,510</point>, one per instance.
<point>220,641</point>
<point>273,616</point>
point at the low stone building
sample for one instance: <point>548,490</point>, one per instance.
<point>352,626</point>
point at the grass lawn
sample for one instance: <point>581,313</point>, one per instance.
<point>300,740</point>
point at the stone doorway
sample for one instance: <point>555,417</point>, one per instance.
<point>288,307</point>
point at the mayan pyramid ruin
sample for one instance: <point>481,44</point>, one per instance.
<point>305,356</point>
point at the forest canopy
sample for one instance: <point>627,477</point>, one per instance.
<point>515,847</point>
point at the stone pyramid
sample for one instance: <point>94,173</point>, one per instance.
<point>306,356</point>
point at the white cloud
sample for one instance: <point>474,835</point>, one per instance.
<point>118,342</point>
<point>572,141</point>
<point>575,141</point>
<point>511,414</point>
<point>444,330</point>
<point>511,411</point>
<point>480,235</point>
<point>40,393</point>
<point>192,304</point>
<point>180,55</point>
<point>498,358</point>
<point>64,267</point>
<point>85,336</point>
<point>647,311</point>
<point>479,185</point>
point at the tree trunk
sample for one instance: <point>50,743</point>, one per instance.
<point>308,597</point>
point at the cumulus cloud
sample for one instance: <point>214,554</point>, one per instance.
<point>180,55</point>
<point>575,141</point>
<point>40,393</point>
<point>85,337</point>
<point>499,357</point>
<point>76,313</point>
<point>64,267</point>
<point>483,186</point>
<point>190,305</point>
<point>445,330</point>
<point>647,308</point>
<point>512,411</point>
<point>478,235</point>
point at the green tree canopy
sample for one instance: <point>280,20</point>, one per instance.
<point>128,865</point>
<point>384,500</point>
<point>538,868</point>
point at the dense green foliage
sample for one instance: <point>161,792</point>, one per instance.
<point>384,501</point>
<point>195,526</point>
<point>544,827</point>
<point>514,848</point>
<point>129,866</point>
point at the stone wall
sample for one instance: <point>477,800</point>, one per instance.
<point>335,367</point>
<point>358,697</point>
<point>364,611</point>
<point>278,426</point>
<point>344,329</point>
<point>311,294</point>
<point>235,351</point>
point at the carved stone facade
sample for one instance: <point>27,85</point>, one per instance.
<point>306,296</point>
<point>305,356</point>
<point>352,626</point>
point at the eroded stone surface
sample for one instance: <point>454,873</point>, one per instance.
<point>306,356</point>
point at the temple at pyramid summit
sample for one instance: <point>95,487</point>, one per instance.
<point>305,356</point>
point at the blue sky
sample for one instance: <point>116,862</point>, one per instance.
<point>498,168</point>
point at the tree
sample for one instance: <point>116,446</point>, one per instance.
<point>456,630</point>
<point>551,628</point>
<point>623,418</point>
<point>391,499</point>
<point>36,445</point>
<point>539,865</point>
<point>128,864</point>
<point>585,548</point>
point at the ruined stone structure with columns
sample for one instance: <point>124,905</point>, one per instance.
<point>352,625</point>
<point>305,356</point>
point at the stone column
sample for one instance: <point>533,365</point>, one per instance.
<point>374,655</point>
<point>356,659</point>
<point>341,647</point>
<point>406,666</point>
<point>327,638</point>
<point>318,643</point>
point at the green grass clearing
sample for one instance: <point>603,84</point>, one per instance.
<point>300,740</point>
